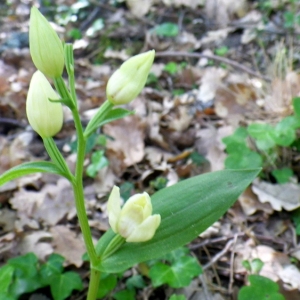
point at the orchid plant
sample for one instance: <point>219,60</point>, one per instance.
<point>145,227</point>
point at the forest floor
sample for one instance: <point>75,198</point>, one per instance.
<point>220,65</point>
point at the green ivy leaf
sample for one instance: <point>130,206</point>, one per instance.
<point>64,284</point>
<point>135,281</point>
<point>284,136</point>
<point>160,274</point>
<point>98,161</point>
<point>108,283</point>
<point>125,295</point>
<point>187,209</point>
<point>177,275</point>
<point>177,297</point>
<point>26,275</point>
<point>261,288</point>
<point>53,267</point>
<point>283,175</point>
<point>30,168</point>
<point>243,160</point>
<point>296,106</point>
<point>6,277</point>
<point>259,130</point>
<point>166,29</point>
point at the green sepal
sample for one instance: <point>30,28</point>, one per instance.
<point>104,115</point>
<point>30,168</point>
<point>187,209</point>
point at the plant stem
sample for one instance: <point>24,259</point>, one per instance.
<point>78,191</point>
<point>94,284</point>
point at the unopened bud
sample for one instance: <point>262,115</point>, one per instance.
<point>128,81</point>
<point>44,116</point>
<point>46,48</point>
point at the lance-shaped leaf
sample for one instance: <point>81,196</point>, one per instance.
<point>30,168</point>
<point>187,209</point>
<point>107,117</point>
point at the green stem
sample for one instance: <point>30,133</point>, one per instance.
<point>69,59</point>
<point>94,284</point>
<point>78,191</point>
<point>64,92</point>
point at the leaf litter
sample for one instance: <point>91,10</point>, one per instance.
<point>178,114</point>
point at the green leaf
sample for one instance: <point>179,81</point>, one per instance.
<point>296,106</point>
<point>26,278</point>
<point>25,265</point>
<point>64,284</point>
<point>284,136</point>
<point>104,115</point>
<point>244,160</point>
<point>261,288</point>
<point>108,283</point>
<point>6,276</point>
<point>180,274</point>
<point>125,295</point>
<point>115,114</point>
<point>289,122</point>
<point>53,267</point>
<point>187,209</point>
<point>259,130</point>
<point>99,161</point>
<point>29,168</point>
<point>171,67</point>
<point>237,138</point>
<point>177,297</point>
<point>6,296</point>
<point>166,29</point>
<point>135,281</point>
<point>283,175</point>
<point>160,274</point>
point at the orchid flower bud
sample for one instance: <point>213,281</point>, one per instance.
<point>46,48</point>
<point>44,116</point>
<point>134,221</point>
<point>128,81</point>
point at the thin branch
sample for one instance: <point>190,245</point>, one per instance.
<point>219,255</point>
<point>213,57</point>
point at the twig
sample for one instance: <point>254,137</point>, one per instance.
<point>219,255</point>
<point>231,265</point>
<point>204,286</point>
<point>213,57</point>
<point>213,241</point>
<point>12,122</point>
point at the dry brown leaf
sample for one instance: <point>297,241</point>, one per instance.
<point>58,202</point>
<point>223,11</point>
<point>127,146</point>
<point>276,266</point>
<point>7,219</point>
<point>187,3</point>
<point>210,82</point>
<point>250,204</point>
<point>139,8</point>
<point>280,196</point>
<point>68,244</point>
<point>35,242</point>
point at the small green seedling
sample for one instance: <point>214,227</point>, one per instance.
<point>24,274</point>
<point>260,288</point>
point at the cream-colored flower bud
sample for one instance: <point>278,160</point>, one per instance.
<point>128,81</point>
<point>44,116</point>
<point>46,48</point>
<point>134,221</point>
